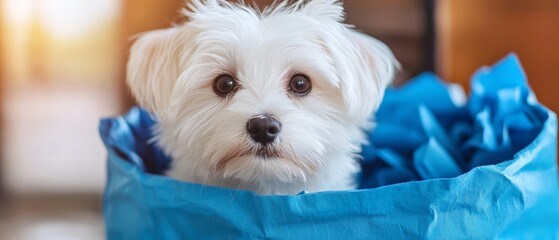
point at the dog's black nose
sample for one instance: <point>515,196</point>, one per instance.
<point>263,128</point>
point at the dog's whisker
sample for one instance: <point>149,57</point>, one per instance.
<point>293,158</point>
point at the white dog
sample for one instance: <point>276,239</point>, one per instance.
<point>272,101</point>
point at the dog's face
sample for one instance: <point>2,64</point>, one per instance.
<point>260,96</point>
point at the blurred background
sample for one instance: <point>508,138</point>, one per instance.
<point>62,68</point>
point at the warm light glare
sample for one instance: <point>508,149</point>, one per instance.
<point>61,75</point>
<point>62,18</point>
<point>17,11</point>
<point>74,17</point>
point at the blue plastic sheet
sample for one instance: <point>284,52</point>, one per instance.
<point>437,167</point>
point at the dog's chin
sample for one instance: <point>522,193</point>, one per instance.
<point>264,164</point>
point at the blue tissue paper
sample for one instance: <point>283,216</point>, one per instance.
<point>438,166</point>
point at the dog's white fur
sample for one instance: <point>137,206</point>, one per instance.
<point>171,71</point>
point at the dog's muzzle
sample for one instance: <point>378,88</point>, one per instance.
<point>263,128</point>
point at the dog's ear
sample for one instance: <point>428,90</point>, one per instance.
<point>378,67</point>
<point>366,66</point>
<point>153,67</point>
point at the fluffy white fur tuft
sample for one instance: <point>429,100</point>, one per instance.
<point>171,72</point>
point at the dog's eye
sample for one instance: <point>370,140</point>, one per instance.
<point>300,85</point>
<point>224,84</point>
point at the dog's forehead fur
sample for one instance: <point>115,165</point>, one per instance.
<point>263,45</point>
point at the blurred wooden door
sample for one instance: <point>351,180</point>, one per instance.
<point>479,32</point>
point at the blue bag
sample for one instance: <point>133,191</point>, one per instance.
<point>438,166</point>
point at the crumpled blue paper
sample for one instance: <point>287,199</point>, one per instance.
<point>438,166</point>
<point>429,129</point>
